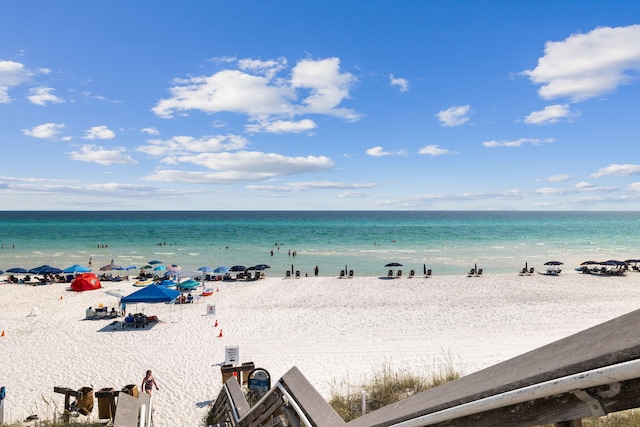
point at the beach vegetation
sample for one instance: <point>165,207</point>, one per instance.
<point>387,386</point>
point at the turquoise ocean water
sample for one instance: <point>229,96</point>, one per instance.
<point>448,242</point>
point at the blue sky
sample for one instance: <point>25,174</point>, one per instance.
<point>309,105</point>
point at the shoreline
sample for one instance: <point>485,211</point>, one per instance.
<point>333,330</point>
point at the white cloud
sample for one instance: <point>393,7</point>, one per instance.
<point>311,185</point>
<point>42,95</point>
<point>378,152</point>
<point>634,187</point>
<point>243,166</point>
<point>282,126</point>
<point>559,178</point>
<point>587,65</point>
<point>266,68</point>
<point>99,132</point>
<point>44,131</point>
<point>402,84</point>
<point>150,131</point>
<point>617,170</point>
<point>454,116</point>
<point>94,154</point>
<point>550,114</point>
<point>258,92</point>
<point>433,150</point>
<point>11,74</point>
<point>181,145</point>
<point>328,87</point>
<point>517,143</point>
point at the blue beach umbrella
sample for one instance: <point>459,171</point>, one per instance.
<point>45,269</point>
<point>237,268</point>
<point>206,269</point>
<point>221,269</point>
<point>17,270</point>
<point>1,272</point>
<point>155,262</point>
<point>76,268</point>
<point>159,268</point>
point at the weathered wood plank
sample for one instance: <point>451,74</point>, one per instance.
<point>237,396</point>
<point>314,406</point>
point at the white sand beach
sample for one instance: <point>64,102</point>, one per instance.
<point>332,329</point>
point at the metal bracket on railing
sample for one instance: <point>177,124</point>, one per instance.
<point>593,402</point>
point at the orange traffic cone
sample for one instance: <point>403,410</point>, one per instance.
<point>2,333</point>
<point>216,325</point>
<point>220,334</point>
<point>60,296</point>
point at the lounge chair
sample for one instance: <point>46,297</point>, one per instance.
<point>523,271</point>
<point>479,272</point>
<point>531,270</point>
<point>342,273</point>
<point>428,273</point>
<point>287,274</point>
<point>350,274</point>
<point>412,273</point>
<point>472,272</point>
<point>297,274</point>
<point>390,273</point>
<point>399,274</point>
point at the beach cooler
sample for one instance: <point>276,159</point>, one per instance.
<point>106,403</point>
<point>131,389</point>
<point>85,403</point>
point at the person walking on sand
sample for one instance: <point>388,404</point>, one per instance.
<point>148,382</point>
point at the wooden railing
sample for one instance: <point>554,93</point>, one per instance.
<point>591,373</point>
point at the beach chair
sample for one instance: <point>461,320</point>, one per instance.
<point>523,271</point>
<point>287,274</point>
<point>390,273</point>
<point>350,274</point>
<point>531,270</point>
<point>297,274</point>
<point>342,273</point>
<point>399,274</point>
<point>412,273</point>
<point>479,272</point>
<point>472,272</point>
<point>428,273</point>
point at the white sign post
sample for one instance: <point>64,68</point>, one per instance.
<point>232,355</point>
<point>211,309</point>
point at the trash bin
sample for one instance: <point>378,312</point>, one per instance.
<point>106,403</point>
<point>85,402</point>
<point>131,389</point>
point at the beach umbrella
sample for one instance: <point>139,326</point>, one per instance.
<point>146,267</point>
<point>1,272</point>
<point>159,268</point>
<point>45,269</point>
<point>206,269</point>
<point>17,270</point>
<point>589,263</point>
<point>174,267</point>
<point>110,267</point>
<point>155,262</point>
<point>221,269</point>
<point>188,284</point>
<point>263,266</point>
<point>76,268</point>
<point>553,263</point>
<point>237,268</point>
<point>392,264</point>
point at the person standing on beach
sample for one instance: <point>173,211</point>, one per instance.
<point>148,382</point>
<point>316,271</point>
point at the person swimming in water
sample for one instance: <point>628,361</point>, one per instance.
<point>148,382</point>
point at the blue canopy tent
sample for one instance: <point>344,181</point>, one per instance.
<point>150,294</point>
